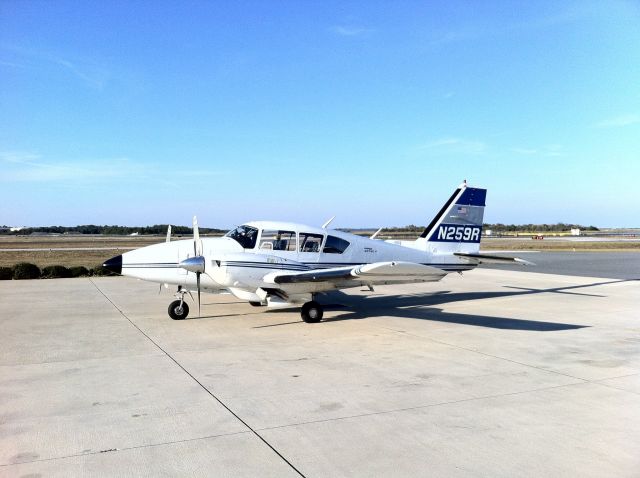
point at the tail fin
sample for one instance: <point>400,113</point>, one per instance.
<point>460,219</point>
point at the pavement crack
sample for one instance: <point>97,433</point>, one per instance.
<point>486,354</point>
<point>583,380</point>
<point>419,407</point>
<point>112,450</point>
<point>608,385</point>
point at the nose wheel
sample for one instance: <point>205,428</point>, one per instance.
<point>311,312</point>
<point>178,309</point>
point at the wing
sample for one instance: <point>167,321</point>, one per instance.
<point>486,259</point>
<point>351,276</point>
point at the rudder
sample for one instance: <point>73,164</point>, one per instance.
<point>459,221</point>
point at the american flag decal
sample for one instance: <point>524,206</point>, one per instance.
<point>462,210</point>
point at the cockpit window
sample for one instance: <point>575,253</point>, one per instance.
<point>335,245</point>
<point>246,236</point>
<point>278,240</point>
<point>310,242</point>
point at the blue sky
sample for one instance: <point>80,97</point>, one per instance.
<point>140,113</point>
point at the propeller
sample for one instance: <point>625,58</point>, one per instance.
<point>195,264</point>
<point>197,250</point>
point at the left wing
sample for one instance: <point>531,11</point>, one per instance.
<point>369,273</point>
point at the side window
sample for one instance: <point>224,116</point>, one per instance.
<point>335,245</point>
<point>310,242</point>
<point>278,240</point>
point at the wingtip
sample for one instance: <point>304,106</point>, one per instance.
<point>524,262</point>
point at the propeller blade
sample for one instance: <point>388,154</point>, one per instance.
<point>197,245</point>
<point>197,263</point>
<point>168,234</point>
<point>198,284</point>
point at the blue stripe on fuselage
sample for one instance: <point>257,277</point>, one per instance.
<point>289,267</point>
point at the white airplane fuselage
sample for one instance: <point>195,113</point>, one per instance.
<point>231,266</point>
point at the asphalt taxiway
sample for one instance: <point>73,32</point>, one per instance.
<point>618,265</point>
<point>496,373</point>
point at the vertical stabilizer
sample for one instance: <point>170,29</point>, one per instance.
<point>458,225</point>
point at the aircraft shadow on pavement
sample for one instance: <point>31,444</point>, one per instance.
<point>421,306</point>
<point>408,309</point>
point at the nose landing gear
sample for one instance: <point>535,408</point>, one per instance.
<point>178,309</point>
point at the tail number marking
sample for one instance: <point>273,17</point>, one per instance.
<point>448,233</point>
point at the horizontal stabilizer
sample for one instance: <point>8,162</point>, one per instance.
<point>486,259</point>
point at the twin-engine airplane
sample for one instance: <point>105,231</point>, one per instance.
<point>281,264</point>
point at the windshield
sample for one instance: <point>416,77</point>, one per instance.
<point>246,236</point>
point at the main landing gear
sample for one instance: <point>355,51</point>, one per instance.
<point>178,309</point>
<point>311,312</point>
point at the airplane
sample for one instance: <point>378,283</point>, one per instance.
<point>282,264</point>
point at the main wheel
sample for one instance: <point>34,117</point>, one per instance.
<point>311,312</point>
<point>177,312</point>
<point>255,303</point>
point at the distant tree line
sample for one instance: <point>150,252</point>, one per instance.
<point>409,228</point>
<point>559,227</point>
<point>183,230</point>
<point>110,230</point>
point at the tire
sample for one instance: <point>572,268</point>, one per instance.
<point>311,312</point>
<point>176,312</point>
<point>255,304</point>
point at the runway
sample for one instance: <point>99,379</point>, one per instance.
<point>496,373</point>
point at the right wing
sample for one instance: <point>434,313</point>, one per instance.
<point>377,272</point>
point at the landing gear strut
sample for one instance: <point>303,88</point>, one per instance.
<point>311,312</point>
<point>178,309</point>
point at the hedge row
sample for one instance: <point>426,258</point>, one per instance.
<point>25,270</point>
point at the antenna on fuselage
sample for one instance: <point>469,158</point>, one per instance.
<point>324,226</point>
<point>373,236</point>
